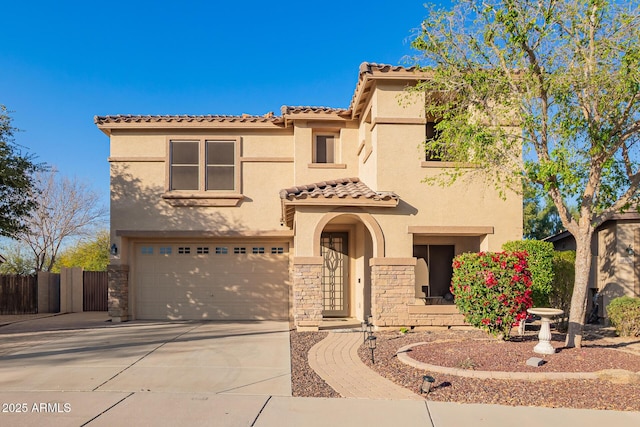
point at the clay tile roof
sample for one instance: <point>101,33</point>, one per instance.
<point>370,67</point>
<point>286,109</point>
<point>339,188</point>
<point>128,118</point>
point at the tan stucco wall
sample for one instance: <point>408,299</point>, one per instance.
<point>382,148</point>
<point>138,181</point>
<point>616,269</point>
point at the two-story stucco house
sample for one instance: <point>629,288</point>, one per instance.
<point>319,212</point>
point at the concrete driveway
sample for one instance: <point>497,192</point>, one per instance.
<point>73,367</point>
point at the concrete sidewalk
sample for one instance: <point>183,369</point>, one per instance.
<point>207,409</point>
<point>85,371</point>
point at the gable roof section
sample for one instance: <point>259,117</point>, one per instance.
<point>338,192</point>
<point>369,73</point>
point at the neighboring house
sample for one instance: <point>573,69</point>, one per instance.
<point>319,212</point>
<point>615,266</point>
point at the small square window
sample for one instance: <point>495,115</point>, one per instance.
<point>258,250</point>
<point>165,250</point>
<point>277,250</point>
<point>146,250</point>
<point>239,250</point>
<point>202,250</point>
<point>324,149</point>
<point>221,250</point>
<point>432,134</point>
<point>184,250</point>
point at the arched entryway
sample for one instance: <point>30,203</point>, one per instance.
<point>346,241</point>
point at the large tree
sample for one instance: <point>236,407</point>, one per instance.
<point>560,78</point>
<point>17,195</point>
<point>92,254</point>
<point>540,215</point>
<point>67,209</point>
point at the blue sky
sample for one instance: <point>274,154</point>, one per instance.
<point>62,63</point>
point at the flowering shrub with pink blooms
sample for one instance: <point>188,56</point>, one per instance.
<point>492,290</point>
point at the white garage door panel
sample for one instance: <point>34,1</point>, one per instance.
<point>212,286</point>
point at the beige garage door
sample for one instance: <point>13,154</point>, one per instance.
<point>211,281</point>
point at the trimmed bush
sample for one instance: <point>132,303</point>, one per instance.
<point>492,290</point>
<point>540,260</point>
<point>624,314</point>
<point>564,273</point>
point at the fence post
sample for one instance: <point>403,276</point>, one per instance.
<point>71,292</point>
<point>77,290</point>
<point>43,291</point>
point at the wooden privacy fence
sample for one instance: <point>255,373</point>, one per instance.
<point>95,291</point>
<point>18,294</point>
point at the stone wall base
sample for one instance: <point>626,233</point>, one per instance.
<point>307,293</point>
<point>118,292</point>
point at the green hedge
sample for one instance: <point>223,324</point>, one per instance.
<point>624,314</point>
<point>540,259</point>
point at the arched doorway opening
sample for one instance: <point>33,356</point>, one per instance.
<point>346,241</point>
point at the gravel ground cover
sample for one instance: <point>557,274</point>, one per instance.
<point>304,380</point>
<point>471,349</point>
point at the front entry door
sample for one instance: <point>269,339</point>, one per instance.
<point>335,274</point>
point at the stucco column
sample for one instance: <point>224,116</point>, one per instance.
<point>307,292</point>
<point>392,290</point>
<point>118,292</point>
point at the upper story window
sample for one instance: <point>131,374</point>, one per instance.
<point>431,134</point>
<point>221,165</point>
<point>201,165</point>
<point>185,165</point>
<point>324,150</point>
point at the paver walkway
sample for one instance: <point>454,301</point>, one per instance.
<point>336,360</point>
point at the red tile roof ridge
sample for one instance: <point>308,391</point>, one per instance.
<point>138,118</point>
<point>340,188</point>
<point>292,109</point>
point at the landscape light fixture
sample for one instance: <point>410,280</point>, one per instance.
<point>372,346</point>
<point>630,251</point>
<point>427,384</point>
<point>364,332</point>
<point>114,249</point>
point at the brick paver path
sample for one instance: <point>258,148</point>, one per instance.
<point>336,360</point>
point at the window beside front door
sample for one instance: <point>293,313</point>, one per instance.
<point>203,165</point>
<point>439,259</point>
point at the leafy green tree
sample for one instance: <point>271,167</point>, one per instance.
<point>91,255</point>
<point>17,260</point>
<point>17,192</point>
<point>540,261</point>
<point>557,78</point>
<point>540,216</point>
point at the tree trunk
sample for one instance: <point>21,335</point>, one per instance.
<point>578,310</point>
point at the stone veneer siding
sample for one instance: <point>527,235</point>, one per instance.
<point>307,292</point>
<point>393,293</point>
<point>118,292</point>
